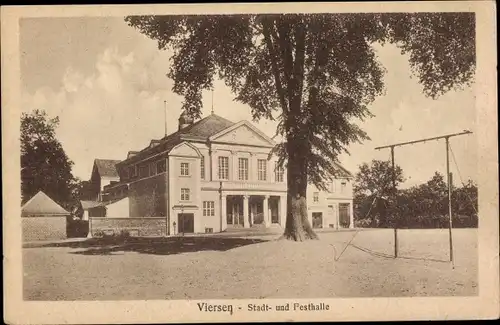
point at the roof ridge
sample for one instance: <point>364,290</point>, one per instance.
<point>43,204</point>
<point>31,199</point>
<point>345,170</point>
<point>199,129</point>
<point>186,129</point>
<point>107,167</point>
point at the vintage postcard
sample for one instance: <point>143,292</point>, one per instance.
<point>250,162</point>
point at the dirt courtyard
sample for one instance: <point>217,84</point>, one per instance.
<point>213,267</point>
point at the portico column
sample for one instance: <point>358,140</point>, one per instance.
<point>351,214</point>
<point>245,211</point>
<point>265,208</point>
<point>252,221</point>
<point>282,210</point>
<point>223,217</point>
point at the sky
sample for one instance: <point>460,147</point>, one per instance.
<point>107,83</point>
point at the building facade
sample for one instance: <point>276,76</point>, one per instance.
<point>103,174</point>
<point>214,174</point>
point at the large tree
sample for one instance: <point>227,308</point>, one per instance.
<point>315,73</point>
<point>44,164</point>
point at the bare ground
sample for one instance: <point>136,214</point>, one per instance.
<point>222,267</point>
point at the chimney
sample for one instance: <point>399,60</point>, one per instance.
<point>185,120</point>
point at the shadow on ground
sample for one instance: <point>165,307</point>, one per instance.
<point>384,255</point>
<point>154,246</point>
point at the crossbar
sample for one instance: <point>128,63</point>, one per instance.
<point>424,140</point>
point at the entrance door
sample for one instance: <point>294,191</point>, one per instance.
<point>273,203</point>
<point>186,223</point>
<point>237,214</point>
<point>344,214</point>
<point>257,210</point>
<point>317,220</point>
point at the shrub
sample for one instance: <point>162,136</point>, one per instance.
<point>363,223</point>
<point>98,233</point>
<point>124,234</point>
<point>76,228</point>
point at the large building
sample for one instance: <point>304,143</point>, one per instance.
<point>213,174</point>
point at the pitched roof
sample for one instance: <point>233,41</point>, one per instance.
<point>106,167</point>
<point>206,127</point>
<point>42,204</point>
<point>343,170</point>
<point>200,130</point>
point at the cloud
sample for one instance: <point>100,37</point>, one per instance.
<point>405,114</point>
<point>119,106</point>
<point>108,110</point>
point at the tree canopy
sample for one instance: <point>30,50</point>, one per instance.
<point>316,74</point>
<point>420,206</point>
<point>376,179</point>
<point>323,64</point>
<point>44,164</point>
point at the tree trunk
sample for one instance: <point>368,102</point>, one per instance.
<point>297,227</point>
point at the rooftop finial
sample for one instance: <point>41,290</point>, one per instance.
<point>212,101</point>
<point>165,112</point>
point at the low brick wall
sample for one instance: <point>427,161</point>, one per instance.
<point>136,227</point>
<point>43,228</point>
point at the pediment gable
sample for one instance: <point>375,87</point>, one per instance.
<point>243,133</point>
<point>184,149</point>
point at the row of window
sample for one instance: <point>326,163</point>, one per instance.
<point>331,186</point>
<point>146,169</point>
<point>223,164</point>
<point>157,167</point>
<point>242,169</point>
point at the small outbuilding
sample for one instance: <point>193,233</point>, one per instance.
<point>43,219</point>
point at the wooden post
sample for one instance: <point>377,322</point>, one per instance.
<point>220,204</point>
<point>450,223</point>
<point>165,111</point>
<point>447,172</point>
<point>394,204</point>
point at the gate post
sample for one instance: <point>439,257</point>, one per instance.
<point>89,234</point>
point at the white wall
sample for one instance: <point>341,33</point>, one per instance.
<point>328,202</point>
<point>119,209</point>
<point>184,154</point>
<point>209,221</point>
<point>107,180</point>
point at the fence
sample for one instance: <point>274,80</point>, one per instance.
<point>135,227</point>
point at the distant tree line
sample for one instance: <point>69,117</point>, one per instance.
<point>420,206</point>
